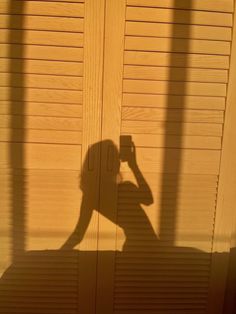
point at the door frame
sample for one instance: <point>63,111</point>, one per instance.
<point>225,226</point>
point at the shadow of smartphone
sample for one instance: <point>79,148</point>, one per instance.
<point>125,147</point>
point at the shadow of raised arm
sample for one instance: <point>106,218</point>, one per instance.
<point>143,187</point>
<point>82,225</point>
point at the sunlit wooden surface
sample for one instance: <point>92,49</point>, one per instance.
<point>77,80</point>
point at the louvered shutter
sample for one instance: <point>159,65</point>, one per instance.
<point>45,133</point>
<point>76,73</point>
<point>168,92</point>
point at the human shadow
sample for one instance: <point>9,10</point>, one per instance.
<point>130,217</point>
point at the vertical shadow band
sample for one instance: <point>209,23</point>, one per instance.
<point>17,126</point>
<point>173,156</point>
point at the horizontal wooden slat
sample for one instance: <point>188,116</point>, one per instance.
<point>80,1</point>
<point>178,16</point>
<point>177,256</point>
<point>41,67</point>
<point>67,303</point>
<point>41,52</point>
<point>144,248</point>
<point>40,123</point>
<point>173,101</point>
<point>178,31</point>
<point>129,263</point>
<point>176,60</point>
<point>47,8</point>
<point>166,279</point>
<point>41,81</point>
<point>186,192</point>
<point>174,128</point>
<point>27,307</point>
<point>40,136</point>
<point>39,176</point>
<point>148,306</point>
<point>48,287</point>
<point>59,233</point>
<point>180,295</point>
<point>177,45</point>
<point>40,278</point>
<point>177,276</point>
<point>208,5</point>
<point>49,38</point>
<point>174,88</point>
<point>159,284</point>
<point>40,109</point>
<point>169,291</point>
<point>160,311</point>
<point>135,222</point>
<point>192,161</point>
<point>54,309</point>
<point>152,140</point>
<point>161,298</point>
<point>33,207</point>
<point>40,95</point>
<point>42,156</point>
<point>158,181</point>
<point>46,23</point>
<point>205,206</point>
<point>175,74</point>
<point>19,270</point>
<point>153,114</point>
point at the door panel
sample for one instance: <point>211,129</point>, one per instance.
<point>166,202</point>
<point>50,113</point>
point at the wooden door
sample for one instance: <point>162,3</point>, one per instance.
<point>51,62</point>
<point>80,82</point>
<point>163,229</point>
